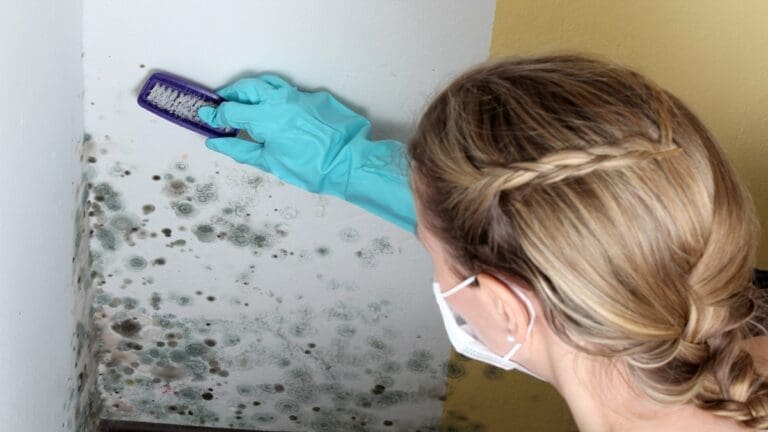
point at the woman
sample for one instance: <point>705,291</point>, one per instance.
<point>584,225</point>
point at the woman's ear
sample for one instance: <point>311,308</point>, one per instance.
<point>510,310</point>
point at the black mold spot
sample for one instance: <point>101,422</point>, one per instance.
<point>175,187</point>
<point>281,230</point>
<point>363,401</point>
<point>211,298</point>
<point>124,223</point>
<point>384,381</point>
<point>103,192</point>
<point>130,303</point>
<point>154,301</point>
<point>183,209</point>
<point>390,398</point>
<point>196,349</point>
<point>283,362</point>
<point>455,370</point>
<point>326,423</point>
<point>287,406</point>
<point>204,232</point>
<point>136,263</point>
<point>240,235</point>
<point>156,177</point>
<point>323,251</point>
<point>245,390</point>
<point>264,418</point>
<point>189,393</point>
<point>158,261</point>
<point>377,344</point>
<point>492,372</point>
<point>166,232</point>
<point>178,356</point>
<point>349,235</point>
<point>345,330</point>
<point>302,329</point>
<point>127,327</point>
<point>207,396</point>
<point>107,238</point>
<point>378,246</point>
<point>261,239</point>
<point>301,386</point>
<point>91,159</point>
<point>231,340</point>
<point>340,312</point>
<point>147,208</point>
<point>205,193</point>
<point>195,367</point>
<point>419,361</point>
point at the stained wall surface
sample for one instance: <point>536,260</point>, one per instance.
<point>40,134</point>
<point>223,296</point>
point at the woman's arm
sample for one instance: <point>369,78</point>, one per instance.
<point>313,141</point>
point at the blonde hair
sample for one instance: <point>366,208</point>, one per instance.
<point>611,199</point>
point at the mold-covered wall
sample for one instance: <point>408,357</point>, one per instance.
<point>223,296</point>
<point>43,313</point>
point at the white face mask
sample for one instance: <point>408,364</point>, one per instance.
<point>463,338</point>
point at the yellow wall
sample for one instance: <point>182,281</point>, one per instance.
<point>711,53</point>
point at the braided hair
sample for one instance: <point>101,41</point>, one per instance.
<point>610,198</point>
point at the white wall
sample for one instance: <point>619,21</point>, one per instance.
<point>383,57</point>
<point>40,135</point>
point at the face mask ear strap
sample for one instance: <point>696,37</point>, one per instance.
<point>513,351</point>
<point>528,305</point>
<point>467,282</point>
<point>531,312</point>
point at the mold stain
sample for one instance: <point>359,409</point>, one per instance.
<point>136,263</point>
<point>204,232</point>
<point>369,256</point>
<point>127,327</point>
<point>277,362</point>
<point>184,209</point>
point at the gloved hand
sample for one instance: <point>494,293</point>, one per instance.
<point>312,141</point>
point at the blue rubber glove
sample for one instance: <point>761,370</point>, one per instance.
<point>312,141</point>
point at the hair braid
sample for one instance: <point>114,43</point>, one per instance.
<point>540,168</point>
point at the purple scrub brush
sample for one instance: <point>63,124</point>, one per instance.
<point>177,100</point>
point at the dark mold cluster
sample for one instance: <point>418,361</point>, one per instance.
<point>157,365</point>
